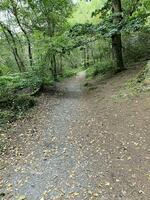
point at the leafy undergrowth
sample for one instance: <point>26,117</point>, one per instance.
<point>137,85</point>
<point>100,68</point>
<point>101,71</point>
<point>10,84</point>
<point>17,90</point>
<point>14,109</point>
<point>69,72</point>
<point>16,97</point>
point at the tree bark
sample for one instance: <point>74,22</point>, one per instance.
<point>116,37</point>
<point>51,32</point>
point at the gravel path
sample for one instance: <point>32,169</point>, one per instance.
<point>79,145</point>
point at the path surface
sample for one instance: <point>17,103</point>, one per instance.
<point>80,145</point>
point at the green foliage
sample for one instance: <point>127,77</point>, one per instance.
<point>68,72</point>
<point>81,29</point>
<point>6,116</point>
<point>101,68</point>
<point>83,12</point>
<point>5,70</point>
<point>10,84</point>
<point>61,41</point>
<point>15,95</point>
<point>136,46</point>
<point>23,102</point>
<point>134,17</point>
<point>1,73</point>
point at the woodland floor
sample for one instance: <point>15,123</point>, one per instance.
<point>80,144</point>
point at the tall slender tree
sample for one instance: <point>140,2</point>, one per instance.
<point>16,14</point>
<point>13,46</point>
<point>116,37</point>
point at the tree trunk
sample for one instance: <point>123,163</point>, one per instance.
<point>84,57</point>
<point>61,66</point>
<point>116,37</point>
<point>54,67</point>
<point>13,47</point>
<point>15,12</point>
<point>87,57</point>
<point>117,52</point>
<point>92,54</point>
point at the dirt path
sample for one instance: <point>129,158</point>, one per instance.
<point>80,145</point>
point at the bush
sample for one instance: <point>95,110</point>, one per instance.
<point>23,103</point>
<point>9,85</point>
<point>6,69</point>
<point>21,80</point>
<point>16,95</point>
<point>103,67</point>
<point>68,71</point>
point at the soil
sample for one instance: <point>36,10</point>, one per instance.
<point>81,144</point>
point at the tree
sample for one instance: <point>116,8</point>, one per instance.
<point>15,12</point>
<point>116,37</point>
<point>13,45</point>
<point>116,19</point>
<point>50,18</point>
